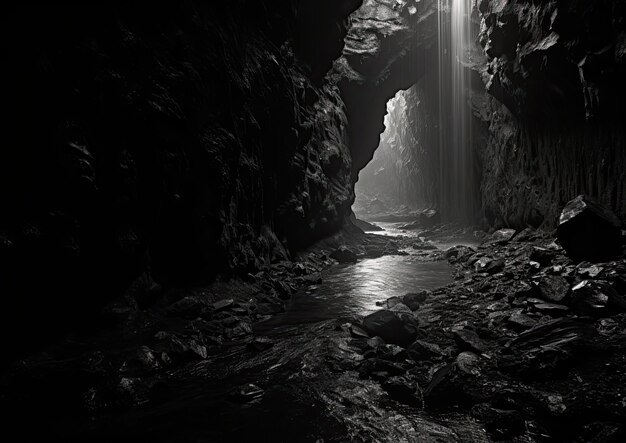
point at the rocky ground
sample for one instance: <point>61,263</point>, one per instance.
<point>524,345</point>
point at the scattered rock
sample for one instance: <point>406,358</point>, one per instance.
<point>589,231</point>
<point>390,327</point>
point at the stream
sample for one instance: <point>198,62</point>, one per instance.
<point>309,389</point>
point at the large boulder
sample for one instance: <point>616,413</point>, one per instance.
<point>343,254</point>
<point>392,327</point>
<point>589,231</point>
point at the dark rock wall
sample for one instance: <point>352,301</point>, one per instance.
<point>189,140</point>
<point>554,115</point>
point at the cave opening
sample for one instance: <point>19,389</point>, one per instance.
<point>426,161</point>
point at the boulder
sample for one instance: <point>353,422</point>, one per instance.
<point>415,299</point>
<point>343,254</point>
<point>553,288</point>
<point>589,231</point>
<point>390,327</point>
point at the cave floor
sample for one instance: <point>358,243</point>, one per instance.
<point>283,356</point>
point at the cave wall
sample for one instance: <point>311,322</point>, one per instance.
<point>553,117</point>
<point>182,142</point>
<point>547,100</point>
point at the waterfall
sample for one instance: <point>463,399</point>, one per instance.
<point>456,185</point>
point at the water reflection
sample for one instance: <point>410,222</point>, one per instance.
<point>350,290</point>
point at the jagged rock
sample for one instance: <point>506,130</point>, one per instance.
<point>547,349</point>
<point>553,288</point>
<point>423,350</point>
<point>401,307</point>
<point>414,300</point>
<point>488,265</point>
<point>520,321</point>
<point>343,254</point>
<point>390,327</point>
<point>502,236</point>
<point>589,231</point>
<point>468,340</point>
<point>596,298</point>
<point>455,382</point>
<point>553,309</point>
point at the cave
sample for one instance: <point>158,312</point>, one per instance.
<point>314,221</point>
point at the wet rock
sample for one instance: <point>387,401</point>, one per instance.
<point>390,327</point>
<point>391,302</point>
<point>403,390</point>
<point>365,226</point>
<point>401,307</point>
<point>546,350</point>
<point>468,340</point>
<point>357,331</point>
<point>414,300</point>
<point>502,424</point>
<point>501,236</point>
<point>519,321</point>
<point>543,256</point>
<point>489,266</point>
<point>343,254</point>
<point>553,288</point>
<point>423,350</point>
<point>596,298</point>
<point>589,231</point>
<point>453,383</point>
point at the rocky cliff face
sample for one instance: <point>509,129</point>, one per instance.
<point>180,142</point>
<point>547,95</point>
<point>554,109</point>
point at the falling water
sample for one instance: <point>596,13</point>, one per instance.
<point>456,174</point>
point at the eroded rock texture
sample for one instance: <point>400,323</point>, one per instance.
<point>554,108</point>
<point>185,141</point>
